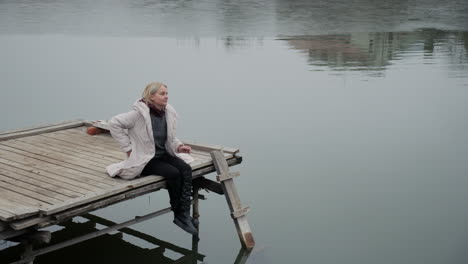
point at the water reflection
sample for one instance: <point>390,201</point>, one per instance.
<point>228,17</point>
<point>376,51</point>
<point>126,246</point>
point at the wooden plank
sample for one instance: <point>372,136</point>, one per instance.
<point>24,129</point>
<point>103,161</point>
<point>203,159</point>
<point>62,159</point>
<point>210,168</point>
<point>46,143</point>
<point>25,223</point>
<point>28,166</point>
<point>232,197</point>
<point>230,175</point>
<point>209,147</point>
<point>200,151</point>
<point>200,157</point>
<point>81,131</point>
<point>240,212</point>
<point>87,207</point>
<point>33,185</point>
<point>198,164</point>
<point>27,189</point>
<point>36,178</point>
<point>104,137</point>
<point>15,208</point>
<point>87,139</point>
<point>64,170</point>
<point>38,130</point>
<point>5,216</point>
<point>100,194</point>
<point>110,200</point>
<point>23,198</point>
<point>69,146</point>
<point>83,143</point>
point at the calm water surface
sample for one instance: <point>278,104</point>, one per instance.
<point>350,115</point>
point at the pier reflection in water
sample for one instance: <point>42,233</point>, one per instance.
<point>113,247</point>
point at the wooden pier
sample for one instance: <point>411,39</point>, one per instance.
<point>49,174</point>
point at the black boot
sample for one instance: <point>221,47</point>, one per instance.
<point>184,221</point>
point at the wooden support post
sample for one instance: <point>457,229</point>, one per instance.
<point>238,213</point>
<point>242,256</point>
<point>196,216</point>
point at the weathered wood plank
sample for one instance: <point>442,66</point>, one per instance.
<point>25,223</point>
<point>79,142</point>
<point>87,207</point>
<point>23,198</point>
<point>27,165</point>
<point>16,208</point>
<point>4,216</point>
<point>230,175</point>
<point>28,189</point>
<point>33,185</point>
<point>209,147</point>
<point>91,168</point>
<point>202,159</point>
<point>103,161</point>
<point>38,130</point>
<point>210,168</point>
<point>232,197</point>
<point>65,170</point>
<point>100,194</point>
<point>104,138</point>
<point>35,177</point>
<point>71,146</point>
<point>35,127</point>
<point>80,209</point>
<point>61,159</point>
<point>87,139</point>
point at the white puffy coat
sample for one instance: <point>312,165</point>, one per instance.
<point>133,131</point>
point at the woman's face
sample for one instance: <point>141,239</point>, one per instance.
<point>160,97</point>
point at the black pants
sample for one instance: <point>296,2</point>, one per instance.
<point>178,175</point>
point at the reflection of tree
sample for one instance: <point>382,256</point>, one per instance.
<point>375,51</point>
<point>295,17</point>
<point>235,43</point>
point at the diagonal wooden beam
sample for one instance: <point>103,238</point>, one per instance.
<point>238,213</point>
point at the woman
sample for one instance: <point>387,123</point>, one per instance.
<point>148,135</point>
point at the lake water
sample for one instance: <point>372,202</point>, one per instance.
<point>350,115</point>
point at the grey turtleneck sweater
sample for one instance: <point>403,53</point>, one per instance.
<point>159,133</point>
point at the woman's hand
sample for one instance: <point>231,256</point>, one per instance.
<point>128,153</point>
<point>184,149</point>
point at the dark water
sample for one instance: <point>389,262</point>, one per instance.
<point>350,115</point>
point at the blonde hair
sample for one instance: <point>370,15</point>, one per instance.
<point>151,89</point>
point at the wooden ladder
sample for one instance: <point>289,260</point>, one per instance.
<point>238,213</point>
